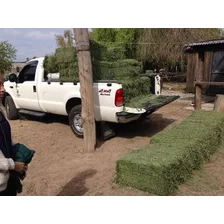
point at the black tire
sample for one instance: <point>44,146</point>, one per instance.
<point>75,113</point>
<point>11,111</point>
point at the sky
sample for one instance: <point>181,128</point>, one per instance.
<point>30,42</point>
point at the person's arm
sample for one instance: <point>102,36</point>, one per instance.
<point>5,163</point>
<point>8,164</point>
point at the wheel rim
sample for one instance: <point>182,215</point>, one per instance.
<point>78,123</point>
<point>7,108</point>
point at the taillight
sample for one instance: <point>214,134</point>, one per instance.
<point>119,98</point>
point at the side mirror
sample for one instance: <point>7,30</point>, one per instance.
<point>13,77</point>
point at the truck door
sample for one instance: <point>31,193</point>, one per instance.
<point>26,88</point>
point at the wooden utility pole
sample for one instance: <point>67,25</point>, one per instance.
<point>86,88</point>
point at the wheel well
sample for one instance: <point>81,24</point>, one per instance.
<point>3,99</point>
<point>71,103</point>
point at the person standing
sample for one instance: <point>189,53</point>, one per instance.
<point>2,89</point>
<point>8,166</point>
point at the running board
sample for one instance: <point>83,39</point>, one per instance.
<point>32,113</point>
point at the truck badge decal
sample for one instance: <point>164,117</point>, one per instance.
<point>105,92</point>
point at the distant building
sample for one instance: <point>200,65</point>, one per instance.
<point>16,67</point>
<point>205,58</point>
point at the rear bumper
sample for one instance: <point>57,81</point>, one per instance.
<point>124,117</point>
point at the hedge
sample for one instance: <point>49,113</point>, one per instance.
<point>173,154</point>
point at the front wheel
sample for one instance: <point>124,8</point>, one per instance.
<point>75,121</point>
<point>11,111</point>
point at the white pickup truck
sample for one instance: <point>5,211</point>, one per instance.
<point>36,93</point>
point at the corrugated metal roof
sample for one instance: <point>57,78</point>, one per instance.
<point>204,43</point>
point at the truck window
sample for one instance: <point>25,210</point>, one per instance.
<point>28,72</point>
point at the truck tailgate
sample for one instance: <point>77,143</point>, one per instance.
<point>149,103</point>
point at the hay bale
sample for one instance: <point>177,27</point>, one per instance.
<point>128,68</point>
<point>135,87</point>
<point>50,64</point>
<point>171,159</point>
<point>98,51</point>
<point>102,71</point>
<point>66,55</point>
<point>115,54</point>
<point>106,66</point>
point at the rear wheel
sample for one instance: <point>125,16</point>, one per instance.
<point>75,121</point>
<point>11,111</point>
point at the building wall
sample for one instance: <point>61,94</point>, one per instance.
<point>16,67</point>
<point>193,69</point>
<point>192,62</point>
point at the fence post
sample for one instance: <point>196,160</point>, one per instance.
<point>198,92</point>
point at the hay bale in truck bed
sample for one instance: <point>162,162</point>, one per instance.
<point>127,71</point>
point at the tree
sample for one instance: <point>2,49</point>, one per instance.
<point>126,38</point>
<point>7,55</point>
<point>105,35</point>
<point>65,40</point>
<point>164,47</point>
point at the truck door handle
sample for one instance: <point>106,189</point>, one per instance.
<point>34,88</point>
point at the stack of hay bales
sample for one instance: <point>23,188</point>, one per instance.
<point>108,64</point>
<point>65,62</point>
<point>171,158</point>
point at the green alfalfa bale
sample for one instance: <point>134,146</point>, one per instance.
<point>68,75</point>
<point>128,68</point>
<point>200,125</point>
<point>102,70</point>
<point>66,55</point>
<point>50,65</point>
<point>68,71</point>
<point>135,87</point>
<point>98,51</point>
<point>157,169</point>
<point>129,91</point>
<point>115,54</point>
<point>160,168</point>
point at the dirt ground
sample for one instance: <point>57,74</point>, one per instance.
<point>208,181</point>
<point>60,168</point>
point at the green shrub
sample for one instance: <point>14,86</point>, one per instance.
<point>173,154</point>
